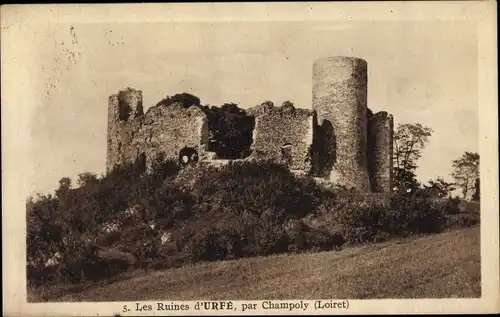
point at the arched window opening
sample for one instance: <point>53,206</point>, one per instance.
<point>188,155</point>
<point>286,153</point>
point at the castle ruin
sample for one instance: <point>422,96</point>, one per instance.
<point>339,140</point>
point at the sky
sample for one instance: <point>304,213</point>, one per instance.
<point>420,71</point>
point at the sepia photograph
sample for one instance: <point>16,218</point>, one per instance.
<point>174,161</point>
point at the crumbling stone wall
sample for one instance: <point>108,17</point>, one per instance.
<point>160,134</point>
<point>339,140</point>
<point>339,98</point>
<point>125,113</point>
<point>166,130</point>
<point>380,148</point>
<point>113,134</point>
<point>283,134</point>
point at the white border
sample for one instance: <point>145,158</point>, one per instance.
<point>16,111</point>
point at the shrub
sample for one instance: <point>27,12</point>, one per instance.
<point>462,220</point>
<point>362,220</point>
<point>449,206</point>
<point>417,214</point>
<point>320,240</point>
<point>185,99</point>
<point>267,190</point>
<point>242,209</point>
<point>214,244</point>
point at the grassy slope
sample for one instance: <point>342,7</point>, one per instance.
<point>437,266</point>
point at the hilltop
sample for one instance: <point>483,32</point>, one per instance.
<point>175,217</point>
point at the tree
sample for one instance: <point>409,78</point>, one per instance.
<point>64,187</point>
<point>440,187</point>
<point>44,230</point>
<point>409,141</point>
<point>185,99</point>
<point>476,196</point>
<point>466,173</point>
<point>230,127</point>
<point>231,130</point>
<point>86,178</point>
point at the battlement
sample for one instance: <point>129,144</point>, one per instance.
<point>268,108</point>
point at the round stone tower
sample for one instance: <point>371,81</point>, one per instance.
<point>339,98</point>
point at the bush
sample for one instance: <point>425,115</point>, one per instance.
<point>451,205</point>
<point>320,240</point>
<point>64,223</point>
<point>264,190</point>
<point>417,214</point>
<point>216,236</point>
<point>371,221</point>
<point>242,209</point>
<point>462,220</point>
<point>185,99</point>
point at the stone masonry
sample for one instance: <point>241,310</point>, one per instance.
<point>380,142</point>
<point>282,130</point>
<point>339,98</point>
<point>338,140</point>
<point>160,134</point>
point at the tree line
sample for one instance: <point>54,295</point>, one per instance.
<point>409,141</point>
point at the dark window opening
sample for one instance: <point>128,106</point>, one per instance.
<point>124,110</point>
<point>324,149</point>
<point>188,156</point>
<point>164,167</point>
<point>286,153</point>
<point>160,157</point>
<point>140,163</point>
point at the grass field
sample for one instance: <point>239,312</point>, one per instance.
<point>445,265</point>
